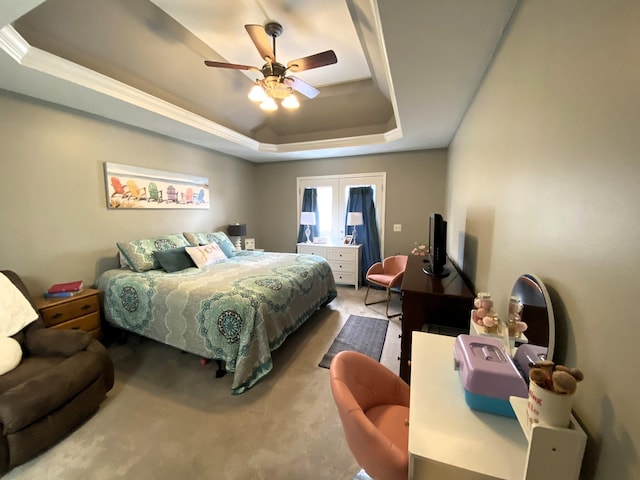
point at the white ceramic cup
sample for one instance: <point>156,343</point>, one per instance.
<point>548,408</point>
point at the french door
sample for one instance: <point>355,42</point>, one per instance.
<point>333,194</point>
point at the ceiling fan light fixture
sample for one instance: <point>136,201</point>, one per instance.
<point>257,93</point>
<point>269,105</point>
<point>276,85</point>
<point>291,102</point>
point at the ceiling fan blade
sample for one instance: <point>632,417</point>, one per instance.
<point>234,66</point>
<point>313,61</point>
<point>262,41</point>
<point>302,87</point>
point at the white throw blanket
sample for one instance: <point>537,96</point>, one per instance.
<point>15,310</point>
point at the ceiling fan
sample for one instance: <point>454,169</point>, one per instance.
<point>276,83</point>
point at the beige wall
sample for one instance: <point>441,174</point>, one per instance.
<point>416,184</point>
<point>544,178</point>
<point>55,225</point>
<point>52,200</point>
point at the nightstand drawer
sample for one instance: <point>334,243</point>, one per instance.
<point>86,322</point>
<point>70,309</point>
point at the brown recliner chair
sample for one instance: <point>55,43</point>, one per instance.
<point>61,380</point>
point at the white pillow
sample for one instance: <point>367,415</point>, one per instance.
<point>206,255</point>
<point>15,310</point>
<point>123,261</point>
<point>10,354</point>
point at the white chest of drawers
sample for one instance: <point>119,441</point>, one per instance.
<point>343,259</point>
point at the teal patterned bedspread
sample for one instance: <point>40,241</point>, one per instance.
<point>237,311</point>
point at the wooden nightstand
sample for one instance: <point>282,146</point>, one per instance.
<point>82,311</point>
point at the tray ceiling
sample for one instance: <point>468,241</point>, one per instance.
<point>403,80</point>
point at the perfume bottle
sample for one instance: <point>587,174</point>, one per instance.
<point>491,323</point>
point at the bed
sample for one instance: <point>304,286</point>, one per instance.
<point>237,311</point>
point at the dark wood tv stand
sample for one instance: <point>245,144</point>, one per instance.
<point>445,302</point>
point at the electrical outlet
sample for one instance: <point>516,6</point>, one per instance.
<point>397,227</point>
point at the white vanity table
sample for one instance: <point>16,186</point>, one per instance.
<point>448,440</point>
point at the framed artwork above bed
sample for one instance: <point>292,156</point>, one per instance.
<point>129,187</point>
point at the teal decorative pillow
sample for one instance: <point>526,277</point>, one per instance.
<point>203,238</point>
<point>174,260</point>
<point>139,253</point>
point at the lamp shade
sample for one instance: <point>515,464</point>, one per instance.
<point>237,230</point>
<point>308,218</point>
<point>257,93</point>
<point>290,102</point>
<point>354,218</point>
<point>269,105</point>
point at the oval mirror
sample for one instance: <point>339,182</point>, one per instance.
<point>537,312</point>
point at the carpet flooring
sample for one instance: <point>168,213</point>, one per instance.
<point>360,334</point>
<point>168,417</point>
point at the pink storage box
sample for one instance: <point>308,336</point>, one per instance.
<point>488,375</point>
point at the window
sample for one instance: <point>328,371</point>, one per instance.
<point>333,193</point>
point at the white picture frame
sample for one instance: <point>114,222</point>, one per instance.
<point>249,243</point>
<point>129,187</point>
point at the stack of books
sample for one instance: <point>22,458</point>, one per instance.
<point>64,289</point>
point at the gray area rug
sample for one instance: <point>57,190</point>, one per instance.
<point>360,334</point>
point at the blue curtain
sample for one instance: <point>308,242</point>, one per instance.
<point>361,200</point>
<point>309,204</point>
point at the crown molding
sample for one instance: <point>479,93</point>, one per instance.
<point>13,43</point>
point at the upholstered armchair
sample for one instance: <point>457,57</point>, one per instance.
<point>387,274</point>
<point>373,404</point>
<point>60,380</point>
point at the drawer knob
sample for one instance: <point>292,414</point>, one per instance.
<point>85,307</point>
<point>57,315</point>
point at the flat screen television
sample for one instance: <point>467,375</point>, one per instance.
<point>437,247</point>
